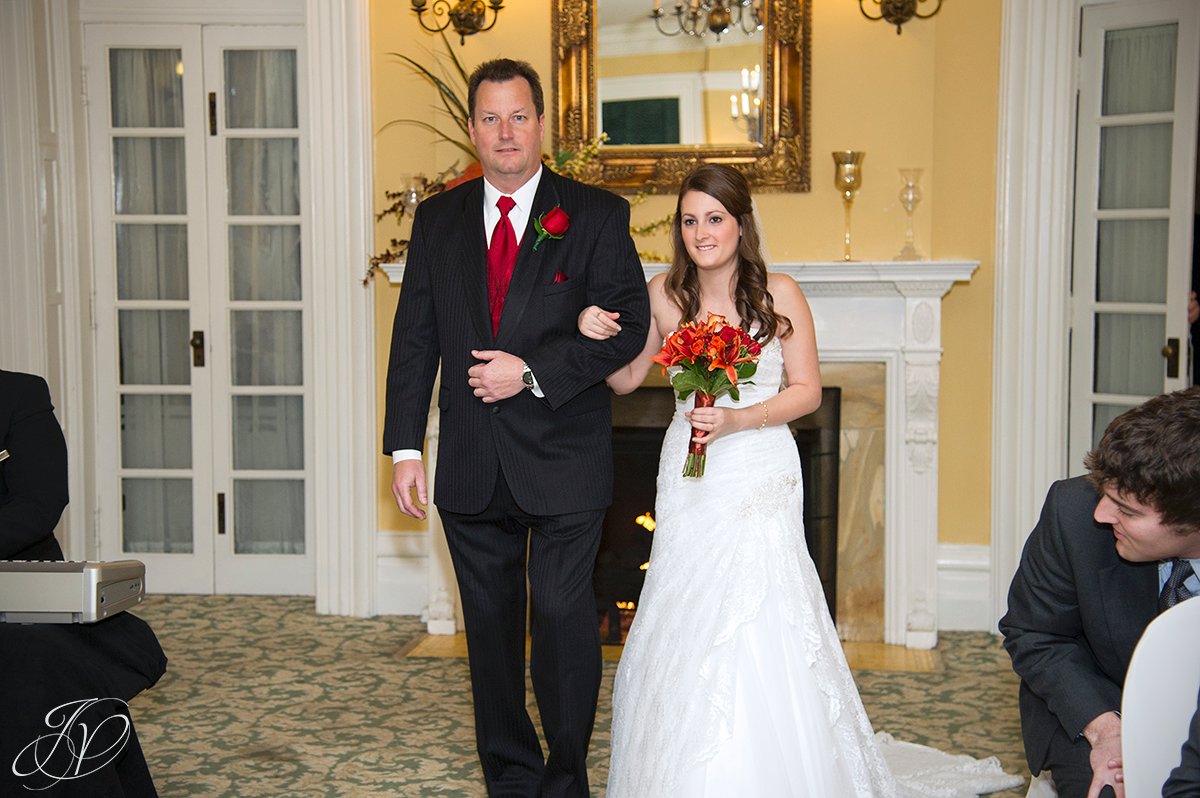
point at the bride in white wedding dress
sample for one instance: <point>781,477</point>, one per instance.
<point>733,681</point>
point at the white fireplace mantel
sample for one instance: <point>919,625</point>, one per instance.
<point>889,312</point>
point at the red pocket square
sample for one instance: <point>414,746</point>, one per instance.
<point>559,277</point>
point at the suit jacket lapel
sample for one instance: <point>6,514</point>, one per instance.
<point>474,261</point>
<point>530,265</point>
<point>1130,601</point>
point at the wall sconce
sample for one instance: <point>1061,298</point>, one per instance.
<point>696,17</point>
<point>896,12</point>
<point>467,16</point>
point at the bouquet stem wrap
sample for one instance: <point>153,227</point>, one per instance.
<point>697,452</point>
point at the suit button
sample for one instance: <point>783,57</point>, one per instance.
<point>495,410</point>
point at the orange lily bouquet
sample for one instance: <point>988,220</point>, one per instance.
<point>713,358</point>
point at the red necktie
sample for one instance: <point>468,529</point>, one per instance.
<point>501,258</point>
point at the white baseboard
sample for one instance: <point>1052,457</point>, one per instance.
<point>402,571</point>
<point>964,576</point>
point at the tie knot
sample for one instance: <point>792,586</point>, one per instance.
<point>1180,570</point>
<point>1173,590</point>
<point>505,204</point>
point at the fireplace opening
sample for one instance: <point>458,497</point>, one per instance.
<point>639,424</point>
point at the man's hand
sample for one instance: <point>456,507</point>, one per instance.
<point>497,377</point>
<point>1104,735</point>
<point>406,475</point>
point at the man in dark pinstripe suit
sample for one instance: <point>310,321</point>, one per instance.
<point>524,470</point>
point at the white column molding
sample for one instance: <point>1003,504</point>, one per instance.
<point>444,613</point>
<point>65,147</point>
<point>23,338</point>
<point>1033,226</point>
<point>339,154</point>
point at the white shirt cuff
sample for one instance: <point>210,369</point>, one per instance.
<point>536,390</point>
<point>405,454</point>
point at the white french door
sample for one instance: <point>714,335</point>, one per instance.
<point>203,342</point>
<point>1135,183</point>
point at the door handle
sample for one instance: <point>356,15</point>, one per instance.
<point>220,513</point>
<point>212,113</point>
<point>1171,353</point>
<point>197,343</point>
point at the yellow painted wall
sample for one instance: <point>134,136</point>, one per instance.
<point>901,99</point>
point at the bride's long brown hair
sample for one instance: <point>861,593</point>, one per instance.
<point>754,304</point>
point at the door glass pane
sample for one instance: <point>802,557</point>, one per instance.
<point>264,177</point>
<point>146,87</point>
<point>1139,70</point>
<point>1135,166</point>
<point>260,89</point>
<point>1131,260</point>
<point>264,262</point>
<point>266,347</point>
<point>156,515</point>
<point>149,175</point>
<point>154,348</point>
<point>152,261</point>
<point>156,431</point>
<point>1129,353</point>
<point>268,516</point>
<point>268,432</point>
<point>1102,416</point>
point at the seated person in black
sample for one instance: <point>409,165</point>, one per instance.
<point>33,476</point>
<point>67,731</point>
<point>1184,781</point>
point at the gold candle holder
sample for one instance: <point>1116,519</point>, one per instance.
<point>847,179</point>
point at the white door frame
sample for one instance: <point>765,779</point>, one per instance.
<point>339,161</point>
<point>1086,305</point>
<point>1034,199</point>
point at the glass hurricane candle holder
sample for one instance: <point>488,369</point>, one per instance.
<point>910,196</point>
<point>847,178</point>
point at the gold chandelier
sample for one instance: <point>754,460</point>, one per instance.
<point>698,17</point>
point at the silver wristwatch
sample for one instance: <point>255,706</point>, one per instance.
<point>527,376</point>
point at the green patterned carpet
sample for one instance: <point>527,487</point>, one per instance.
<point>264,698</point>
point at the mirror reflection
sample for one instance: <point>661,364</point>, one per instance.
<point>686,73</point>
<point>612,52</point>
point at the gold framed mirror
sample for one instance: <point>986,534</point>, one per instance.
<point>775,155</point>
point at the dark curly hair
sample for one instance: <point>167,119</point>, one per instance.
<point>1152,452</point>
<point>501,70</point>
<point>754,303</point>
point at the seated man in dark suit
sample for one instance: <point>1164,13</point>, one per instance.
<point>1110,551</point>
<point>1184,781</point>
<point>33,476</point>
<point>67,731</point>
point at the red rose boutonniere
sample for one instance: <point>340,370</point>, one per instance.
<point>714,359</point>
<point>551,224</point>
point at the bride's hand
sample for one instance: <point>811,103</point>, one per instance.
<point>597,323</point>
<point>711,422</point>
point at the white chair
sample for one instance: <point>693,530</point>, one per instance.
<point>1160,698</point>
